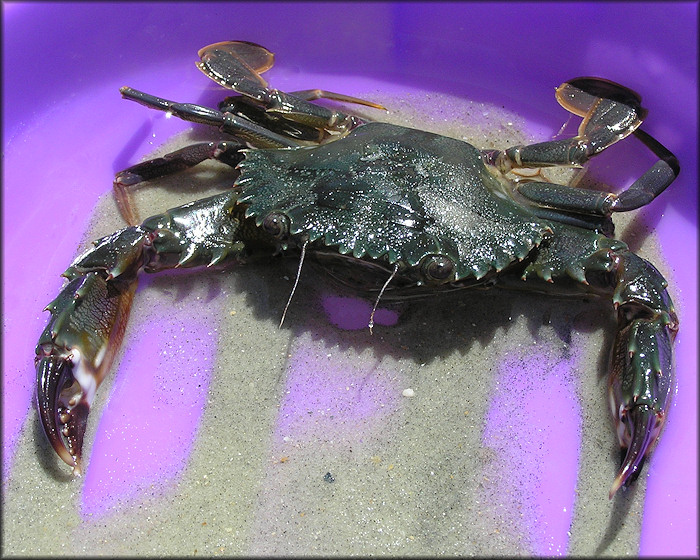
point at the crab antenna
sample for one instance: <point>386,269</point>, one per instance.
<point>296,281</point>
<point>381,292</point>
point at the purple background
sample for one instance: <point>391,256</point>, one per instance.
<point>66,132</point>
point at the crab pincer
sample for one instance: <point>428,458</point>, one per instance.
<point>641,379</point>
<point>77,347</point>
<point>89,316</point>
<point>72,357</point>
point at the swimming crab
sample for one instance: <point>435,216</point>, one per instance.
<point>393,211</point>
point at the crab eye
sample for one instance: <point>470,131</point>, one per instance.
<point>438,268</point>
<point>276,224</point>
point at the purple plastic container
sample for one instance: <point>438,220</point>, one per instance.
<point>66,132</point>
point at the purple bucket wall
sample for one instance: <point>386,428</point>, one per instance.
<point>65,135</point>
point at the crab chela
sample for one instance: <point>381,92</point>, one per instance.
<point>394,212</point>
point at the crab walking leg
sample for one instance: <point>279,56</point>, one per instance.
<point>228,152</point>
<point>640,193</point>
<point>641,379</point>
<point>610,113</point>
<point>287,125</point>
<point>305,95</point>
<point>226,122</point>
<point>316,93</point>
<point>89,315</point>
<point>237,65</point>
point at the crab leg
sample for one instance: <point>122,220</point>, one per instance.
<point>228,152</point>
<point>641,379</point>
<point>611,112</point>
<point>226,122</point>
<point>244,106</point>
<point>260,116</point>
<point>641,192</point>
<point>237,65</point>
<point>89,315</point>
<point>316,93</point>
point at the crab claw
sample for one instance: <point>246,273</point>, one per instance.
<point>641,377</point>
<point>73,354</point>
<point>641,387</point>
<point>640,429</point>
<point>63,408</point>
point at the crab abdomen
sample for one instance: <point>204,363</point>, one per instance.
<point>393,193</point>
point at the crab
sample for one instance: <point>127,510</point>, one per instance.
<point>392,212</point>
